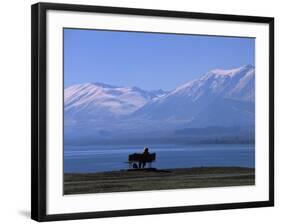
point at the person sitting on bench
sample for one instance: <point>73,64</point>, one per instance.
<point>145,155</point>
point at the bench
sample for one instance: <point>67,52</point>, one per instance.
<point>135,159</point>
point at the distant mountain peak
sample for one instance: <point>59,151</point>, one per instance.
<point>230,72</point>
<point>103,100</point>
<point>223,72</point>
<point>213,76</point>
<point>103,85</point>
<point>248,66</point>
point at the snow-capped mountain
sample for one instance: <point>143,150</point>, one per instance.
<point>191,98</point>
<point>235,83</point>
<point>97,100</point>
<point>217,98</point>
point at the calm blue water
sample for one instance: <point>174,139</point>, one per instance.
<point>79,159</point>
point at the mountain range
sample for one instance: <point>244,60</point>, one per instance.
<point>219,98</point>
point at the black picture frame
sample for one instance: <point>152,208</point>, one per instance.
<point>38,108</point>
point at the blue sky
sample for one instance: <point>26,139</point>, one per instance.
<point>149,61</point>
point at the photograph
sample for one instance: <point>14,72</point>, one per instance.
<point>148,111</point>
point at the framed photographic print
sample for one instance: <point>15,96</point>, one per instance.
<point>140,111</point>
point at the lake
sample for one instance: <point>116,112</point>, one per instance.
<point>83,159</point>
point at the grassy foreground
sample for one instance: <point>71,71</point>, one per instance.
<point>143,180</point>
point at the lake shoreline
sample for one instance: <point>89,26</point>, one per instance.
<point>159,179</point>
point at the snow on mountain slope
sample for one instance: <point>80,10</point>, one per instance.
<point>217,82</point>
<point>96,100</point>
<point>245,87</point>
<point>187,100</point>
